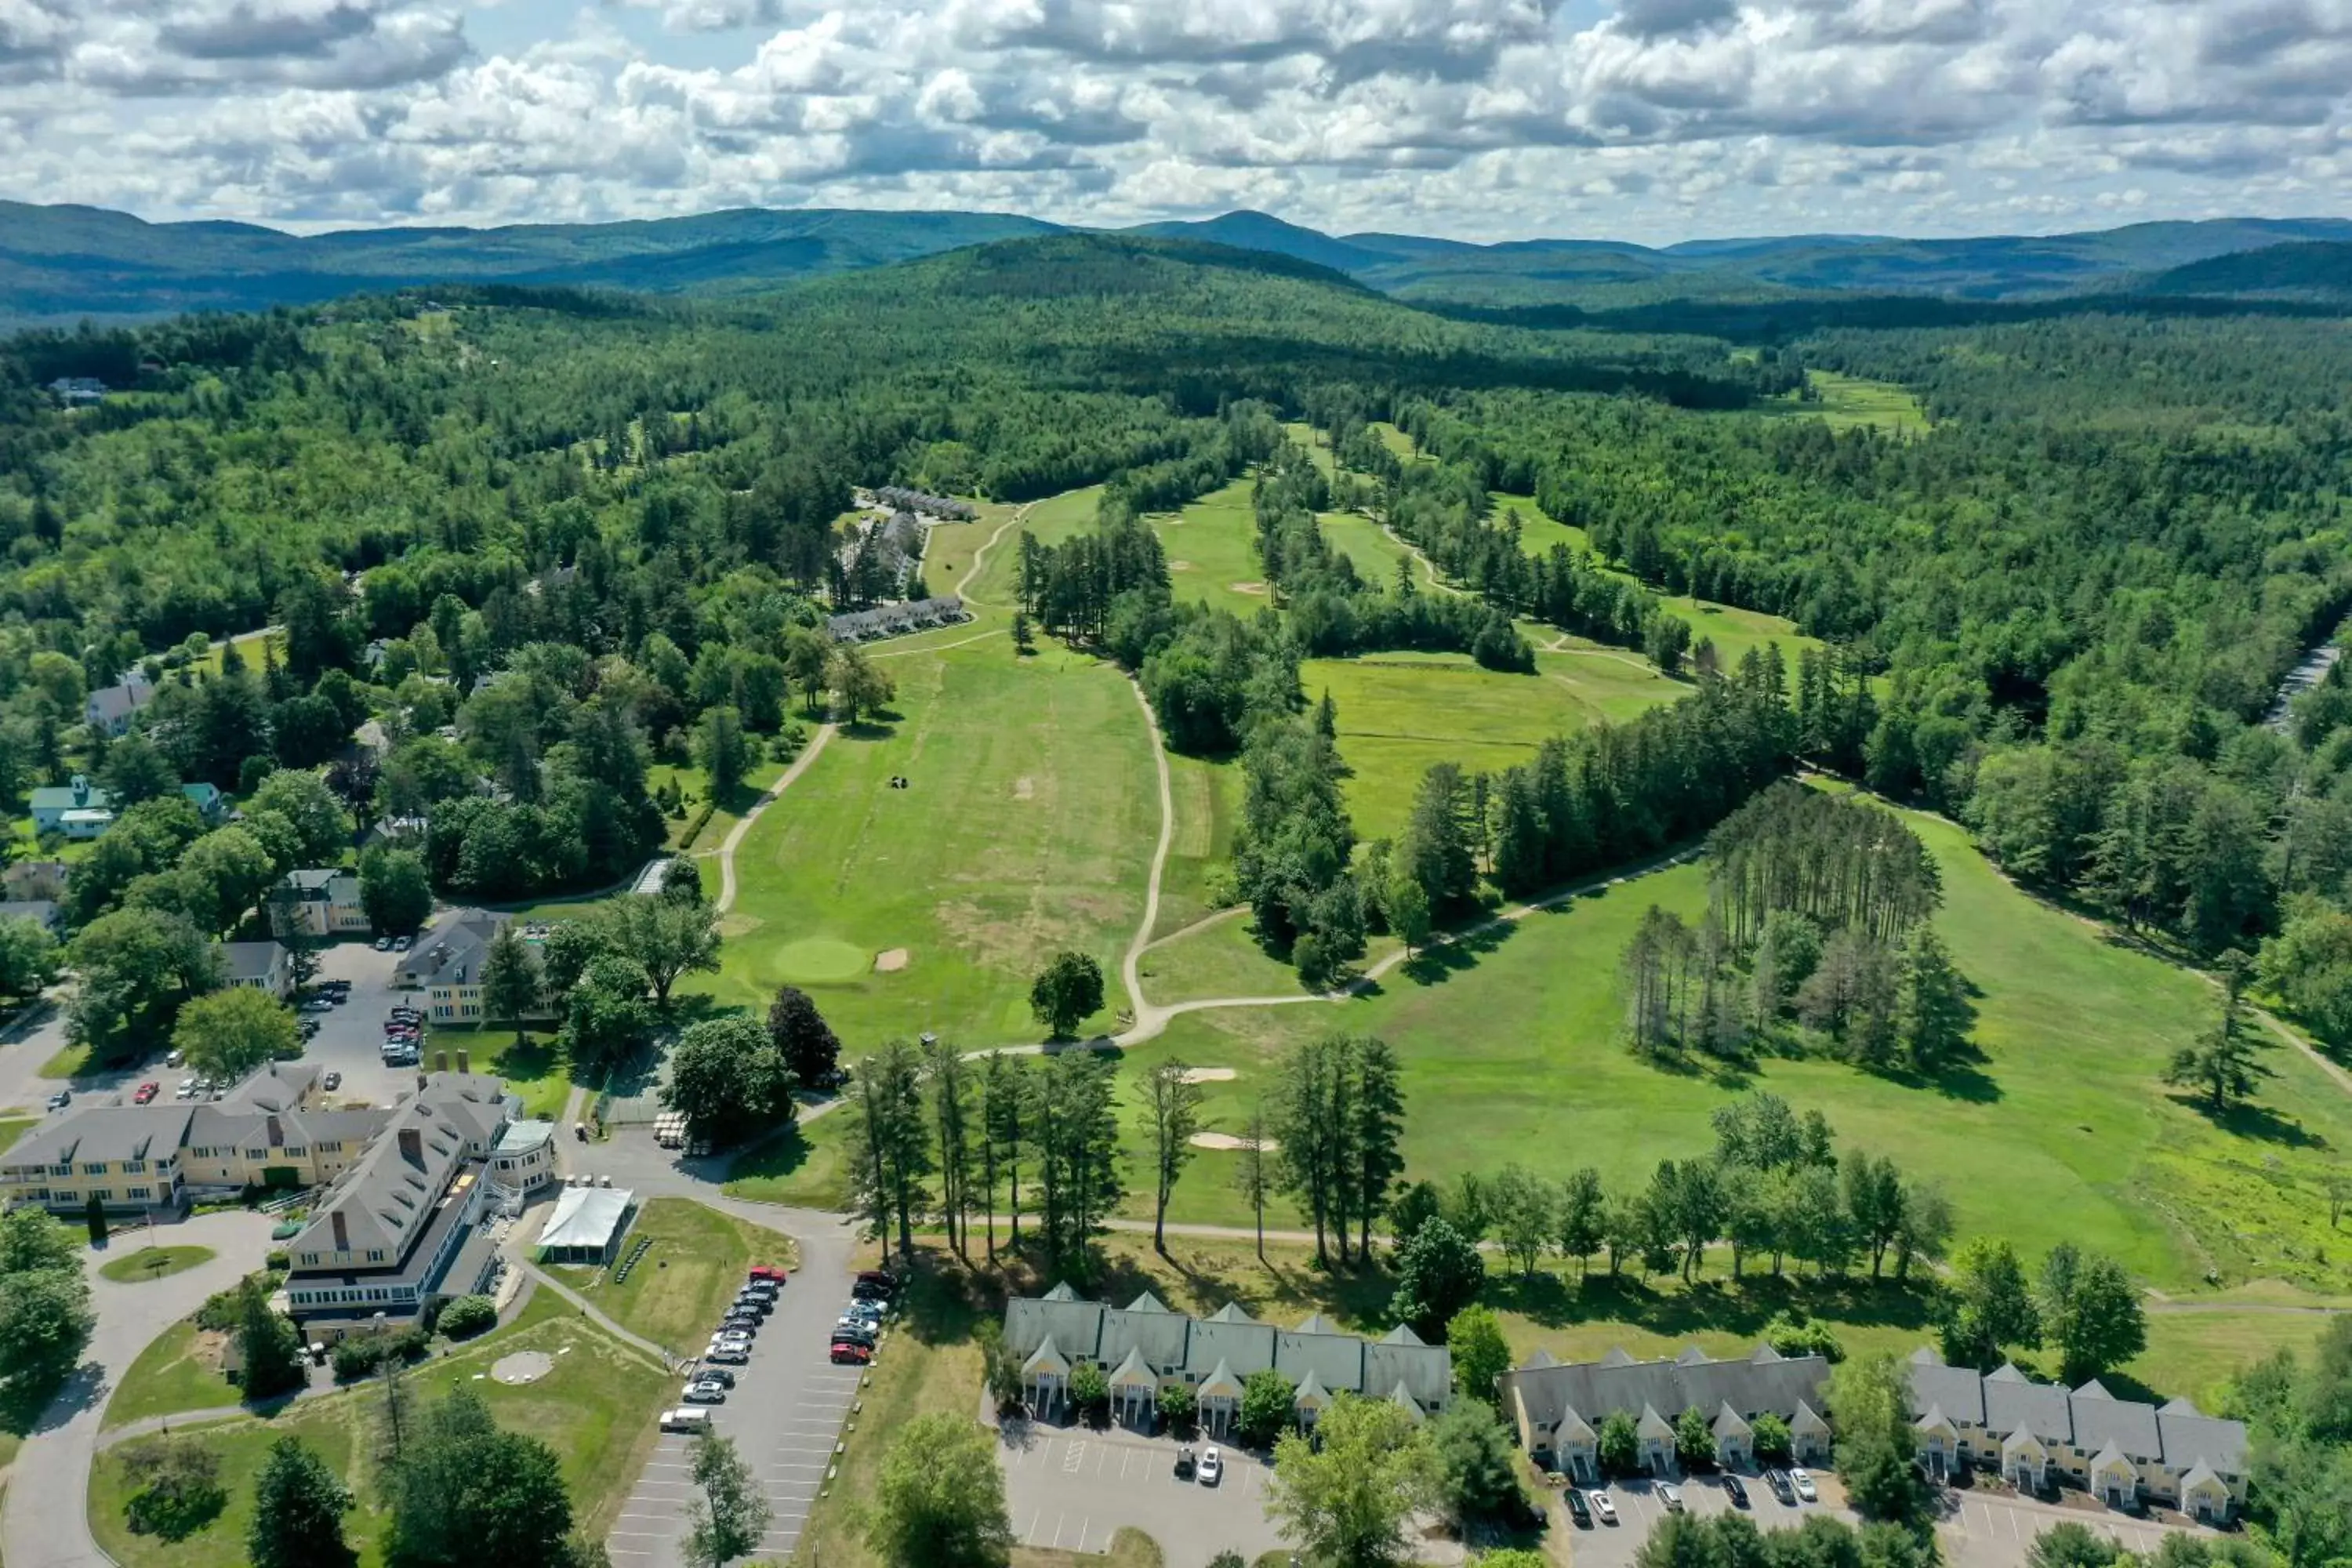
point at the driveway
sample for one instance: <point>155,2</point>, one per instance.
<point>1999,1532</point>
<point>785,1415</point>
<point>1072,1488</point>
<point>46,1524</point>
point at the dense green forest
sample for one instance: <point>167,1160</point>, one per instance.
<point>540,536</point>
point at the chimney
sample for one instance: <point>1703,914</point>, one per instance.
<point>423,1081</point>
<point>343,1230</point>
<point>412,1145</point>
<point>462,1065</point>
<point>440,1061</point>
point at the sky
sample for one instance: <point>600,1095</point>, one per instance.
<point>1645,120</point>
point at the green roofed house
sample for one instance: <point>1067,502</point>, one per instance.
<point>1144,1347</point>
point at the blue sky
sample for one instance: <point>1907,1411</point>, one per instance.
<point>1649,120</point>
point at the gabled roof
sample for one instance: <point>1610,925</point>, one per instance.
<point>1571,1424</point>
<point>1652,1424</point>
<point>2111,1459</point>
<point>1934,1420</point>
<point>2199,1476</point>
<point>2021,1441</point>
<point>1147,1302</point>
<point>2100,1419</point>
<point>1763,1354</point>
<point>1317,1323</point>
<point>1062,1292</point>
<point>1131,1372</point>
<point>1547,1390</point>
<point>1220,1383</point>
<point>1402,1334</point>
<point>1310,1393</point>
<point>1046,1358</point>
<point>1402,1398</point>
<point>1807,1419</point>
<point>1617,1357</point>
<point>1693,1356</point>
<point>1231,1312</point>
<point>1729,1422</point>
<point>1541,1359</point>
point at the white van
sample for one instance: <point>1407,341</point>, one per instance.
<point>685,1418</point>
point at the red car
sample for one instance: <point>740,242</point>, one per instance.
<point>146,1092</point>
<point>846,1354</point>
<point>775,1276</point>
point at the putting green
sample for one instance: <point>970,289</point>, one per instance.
<point>816,959</point>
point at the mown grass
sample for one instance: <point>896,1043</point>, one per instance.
<point>14,1129</point>
<point>1211,546</point>
<point>171,1376</point>
<point>1196,881</point>
<point>153,1263</point>
<point>678,1289</point>
<point>1400,713</point>
<point>595,1409</point>
<point>1028,829</point>
<point>1846,401</point>
<point>804,1166</point>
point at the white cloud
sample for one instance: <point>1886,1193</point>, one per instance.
<point>1657,120</point>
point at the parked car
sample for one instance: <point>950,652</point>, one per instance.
<point>718,1374</point>
<point>1212,1466</point>
<point>882,1277</point>
<point>1670,1497</point>
<point>332,1080</point>
<point>743,1323</point>
<point>1579,1509</point>
<point>174,1058</point>
<point>1184,1463</point>
<point>383,945</point>
<point>401,943</point>
<point>767,1287</point>
<point>727,1354</point>
<point>1803,1482</point>
<point>1733,1491</point>
<point>187,1090</point>
<point>1603,1508</point>
<point>766,1274</point>
<point>686,1419</point>
<point>1781,1490</point>
<point>844,1353</point>
<point>704,1393</point>
<point>60,1099</point>
<point>868,1312</point>
<point>852,1329</point>
<point>146,1092</point>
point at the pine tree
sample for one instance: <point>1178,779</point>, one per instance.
<point>298,1511</point>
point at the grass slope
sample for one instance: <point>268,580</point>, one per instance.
<point>1212,548</point>
<point>684,1282</point>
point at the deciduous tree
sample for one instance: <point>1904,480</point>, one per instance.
<point>229,1033</point>
<point>1066,992</point>
<point>1172,1109</point>
<point>728,1513</point>
<point>1345,1497</point>
<point>939,1501</point>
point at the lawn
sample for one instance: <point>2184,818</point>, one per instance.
<point>1028,827</point>
<point>10,1130</point>
<point>537,1072</point>
<point>1197,879</point>
<point>1360,540</point>
<point>1402,712</point>
<point>1212,548</point>
<point>682,1285</point>
<point>172,1375</point>
<point>695,784</point>
<point>595,1409</point>
<point>154,1262</point>
<point>804,1167</point>
<point>69,1063</point>
<point>2062,1131</point>
<point>1846,401</point>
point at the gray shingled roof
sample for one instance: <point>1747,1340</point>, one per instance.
<point>2011,1400</point>
<point>106,1133</point>
<point>2100,1419</point>
<point>1594,1390</point>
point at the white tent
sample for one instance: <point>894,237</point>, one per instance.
<point>586,1223</point>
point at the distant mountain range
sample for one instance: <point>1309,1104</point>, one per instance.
<point>60,264</point>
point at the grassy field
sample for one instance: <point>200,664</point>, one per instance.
<point>1401,712</point>
<point>154,1262</point>
<point>804,1167</point>
<point>1212,549</point>
<point>695,784</point>
<point>1359,538</point>
<point>10,1130</point>
<point>1847,401</point>
<point>595,1409</point>
<point>2061,1130</point>
<point>1207,800</point>
<point>678,1289</point>
<point>1028,829</point>
<point>172,1375</point>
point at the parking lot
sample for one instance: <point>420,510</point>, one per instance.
<point>784,1415</point>
<point>351,1037</point>
<point>1997,1531</point>
<point>1639,1507</point>
<point>1073,1490</point>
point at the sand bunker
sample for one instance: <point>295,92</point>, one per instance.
<point>1258,588</point>
<point>1023,787</point>
<point>523,1366</point>
<point>1227,1141</point>
<point>1180,566</point>
<point>890,963</point>
<point>1210,1075</point>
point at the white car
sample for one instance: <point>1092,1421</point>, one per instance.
<point>1211,1469</point>
<point>187,1090</point>
<point>1602,1509</point>
<point>685,1418</point>
<point>1670,1497</point>
<point>1804,1485</point>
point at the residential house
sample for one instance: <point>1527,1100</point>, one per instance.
<point>2036,1436</point>
<point>36,880</point>
<point>326,902</point>
<point>110,708</point>
<point>399,1227</point>
<point>261,965</point>
<point>78,809</point>
<point>82,810</point>
<point>1144,1347</point>
<point>46,913</point>
<point>1560,1406</point>
<point>446,964</point>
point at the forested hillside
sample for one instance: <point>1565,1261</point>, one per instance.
<point>2060,614</point>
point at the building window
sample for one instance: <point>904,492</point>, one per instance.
<point>375,1255</point>
<point>257,1154</point>
<point>140,1193</point>
<point>60,1170</point>
<point>134,1167</point>
<point>310,1257</point>
<point>294,1151</point>
<point>96,1169</point>
<point>63,1195</point>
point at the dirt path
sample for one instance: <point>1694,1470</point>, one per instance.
<point>979,556</point>
<point>1129,972</point>
<point>1204,924</point>
<point>1428,568</point>
<point>735,834</point>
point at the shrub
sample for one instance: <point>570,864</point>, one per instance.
<point>277,1262</point>
<point>1793,1333</point>
<point>1772,1436</point>
<point>1090,1391</point>
<point>1268,1407</point>
<point>179,1487</point>
<point>467,1316</point>
<point>1178,1408</point>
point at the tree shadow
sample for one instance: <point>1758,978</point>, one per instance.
<point>2248,1120</point>
<point>1719,1305</point>
<point>877,725</point>
<point>1960,1079</point>
<point>1458,953</point>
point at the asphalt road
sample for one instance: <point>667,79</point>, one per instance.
<point>46,1524</point>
